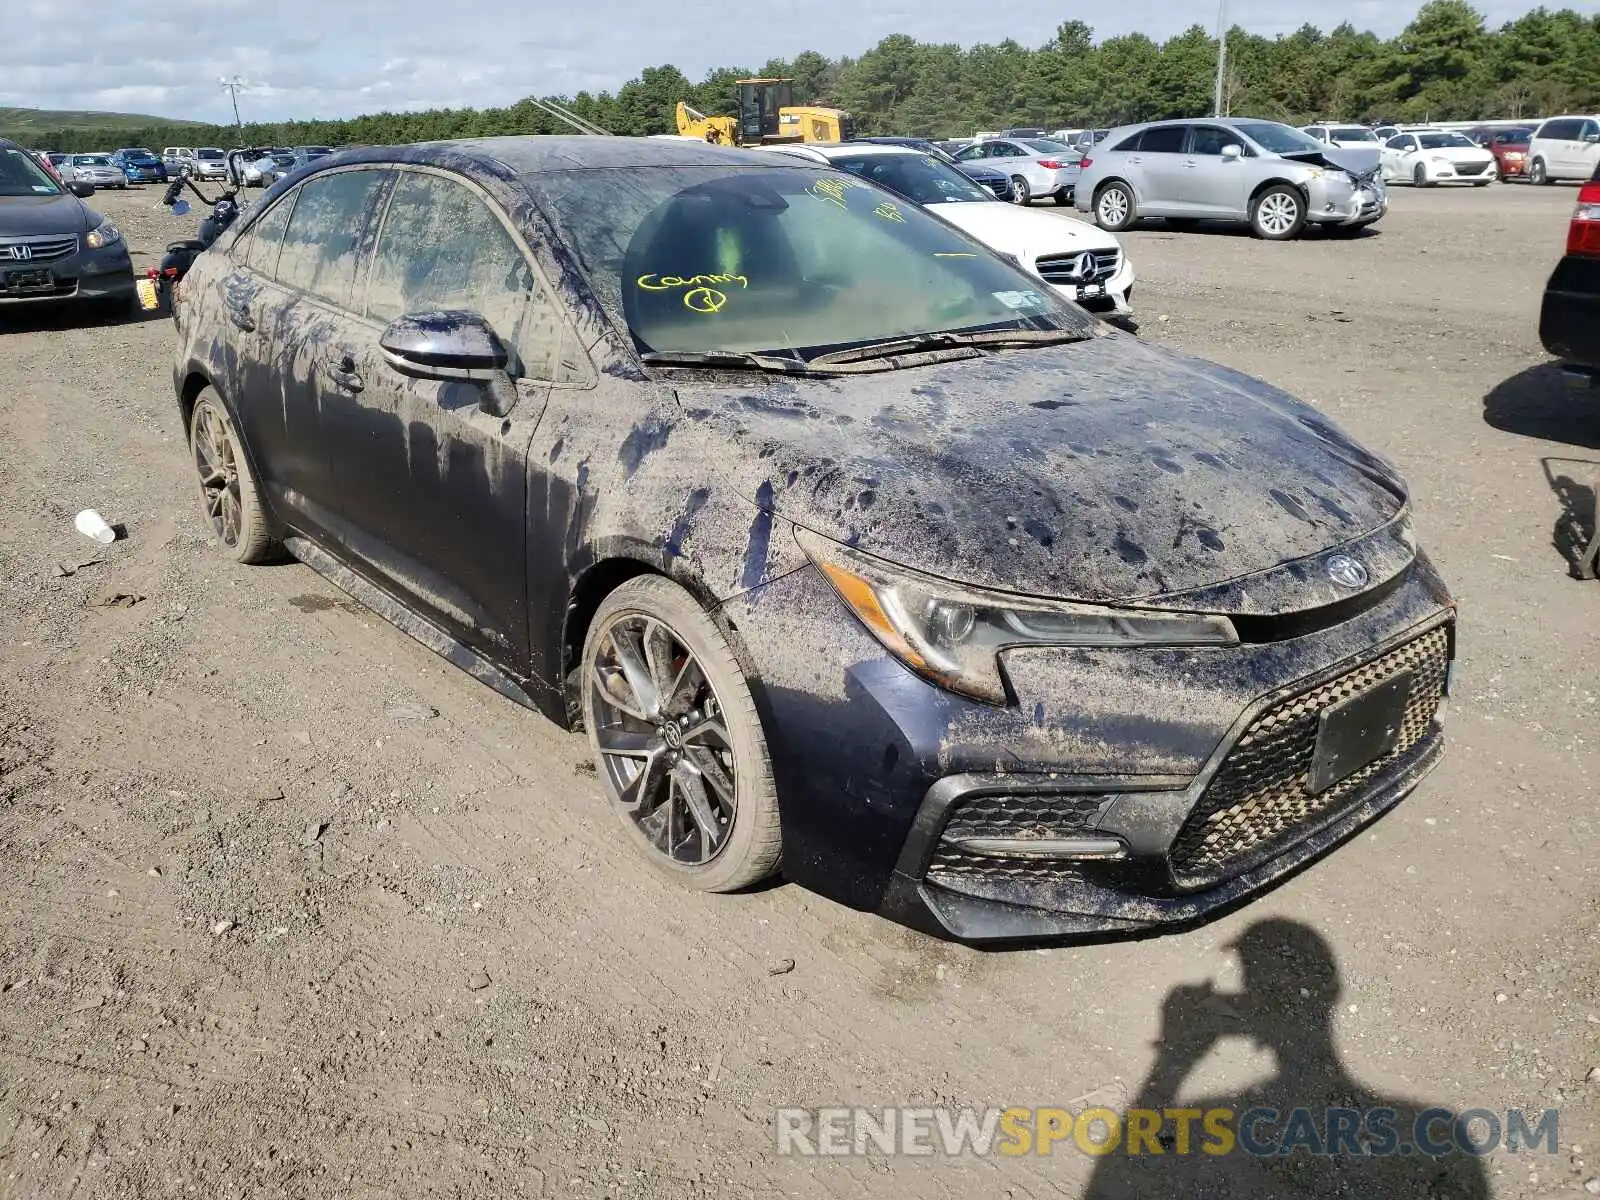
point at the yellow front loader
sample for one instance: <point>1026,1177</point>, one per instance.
<point>767,115</point>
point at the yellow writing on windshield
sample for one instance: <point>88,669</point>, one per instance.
<point>889,212</point>
<point>665,283</point>
<point>833,188</point>
<point>954,254</point>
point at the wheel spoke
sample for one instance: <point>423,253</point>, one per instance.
<point>712,770</point>
<point>641,791</point>
<point>693,790</point>
<point>658,646</point>
<point>680,694</point>
<point>634,669</point>
<point>626,742</point>
<point>710,732</point>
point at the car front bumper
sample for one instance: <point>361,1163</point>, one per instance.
<point>145,174</point>
<point>104,274</point>
<point>1335,201</point>
<point>1162,784</point>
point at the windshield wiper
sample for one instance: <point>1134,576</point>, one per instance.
<point>931,342</point>
<point>728,360</point>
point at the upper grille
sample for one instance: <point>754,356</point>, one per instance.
<point>1477,168</point>
<point>1064,268</point>
<point>42,249</point>
<point>1259,802</point>
<point>1000,186</point>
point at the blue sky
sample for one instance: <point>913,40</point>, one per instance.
<point>333,58</point>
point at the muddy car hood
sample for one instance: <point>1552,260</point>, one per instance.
<point>1101,470</point>
<point>26,216</point>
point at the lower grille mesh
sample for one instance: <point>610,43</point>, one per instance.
<point>1259,801</point>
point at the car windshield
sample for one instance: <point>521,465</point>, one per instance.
<point>21,175</point>
<point>1445,141</point>
<point>208,154</point>
<point>282,160</point>
<point>1279,139</point>
<point>1512,137</point>
<point>1351,133</point>
<point>921,177</point>
<point>1049,146</point>
<point>707,259</point>
<point>90,160</point>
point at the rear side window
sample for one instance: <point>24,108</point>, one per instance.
<point>259,248</point>
<point>1166,139</point>
<point>323,238</point>
<point>442,248</point>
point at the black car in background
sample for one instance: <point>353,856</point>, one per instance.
<point>53,246</point>
<point>1569,321</point>
<point>997,182</point>
<point>850,546</point>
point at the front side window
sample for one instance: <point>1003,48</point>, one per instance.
<point>259,246</point>
<point>780,259</point>
<point>442,248</point>
<point>322,241</point>
<point>1557,130</point>
<point>1210,139</point>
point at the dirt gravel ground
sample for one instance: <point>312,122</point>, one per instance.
<point>289,907</point>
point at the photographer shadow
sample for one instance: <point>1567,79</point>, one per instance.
<point>1291,985</point>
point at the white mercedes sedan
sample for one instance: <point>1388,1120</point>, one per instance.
<point>1082,262</point>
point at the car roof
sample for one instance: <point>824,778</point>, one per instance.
<point>543,154</point>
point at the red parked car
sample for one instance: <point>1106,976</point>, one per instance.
<point>1509,147</point>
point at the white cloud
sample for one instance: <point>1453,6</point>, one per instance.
<point>330,58</point>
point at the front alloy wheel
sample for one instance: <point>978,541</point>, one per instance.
<point>678,745</point>
<point>1278,214</point>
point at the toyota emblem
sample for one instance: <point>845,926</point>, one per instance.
<point>1346,572</point>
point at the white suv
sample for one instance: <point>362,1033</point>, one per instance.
<point>1564,148</point>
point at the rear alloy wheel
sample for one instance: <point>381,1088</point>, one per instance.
<point>677,743</point>
<point>1538,174</point>
<point>228,493</point>
<point>1021,193</point>
<point>1419,177</point>
<point>1114,208</point>
<point>1278,214</point>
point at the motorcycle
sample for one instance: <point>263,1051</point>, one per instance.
<point>157,288</point>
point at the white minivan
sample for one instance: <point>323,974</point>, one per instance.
<point>1564,148</point>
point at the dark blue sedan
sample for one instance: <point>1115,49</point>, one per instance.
<point>140,165</point>
<point>853,548</point>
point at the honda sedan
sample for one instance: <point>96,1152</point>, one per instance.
<point>853,549</point>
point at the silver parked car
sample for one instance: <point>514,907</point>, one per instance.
<point>208,162</point>
<point>1272,176</point>
<point>97,169</point>
<point>1037,166</point>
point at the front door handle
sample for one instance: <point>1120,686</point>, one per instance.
<point>343,374</point>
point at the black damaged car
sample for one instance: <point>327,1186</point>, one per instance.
<point>858,555</point>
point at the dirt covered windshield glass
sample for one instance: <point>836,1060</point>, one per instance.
<point>708,259</point>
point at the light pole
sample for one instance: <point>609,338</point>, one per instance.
<point>1222,56</point>
<point>232,86</point>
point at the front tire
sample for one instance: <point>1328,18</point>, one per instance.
<point>1278,214</point>
<point>229,496</point>
<point>1419,177</point>
<point>1115,208</point>
<point>677,743</point>
<point>1538,173</point>
<point>1021,193</point>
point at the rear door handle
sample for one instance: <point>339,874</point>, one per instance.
<point>343,374</point>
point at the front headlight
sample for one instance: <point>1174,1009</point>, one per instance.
<point>1440,159</point>
<point>106,234</point>
<point>952,635</point>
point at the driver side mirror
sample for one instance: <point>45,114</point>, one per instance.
<point>81,190</point>
<point>1232,151</point>
<point>449,346</point>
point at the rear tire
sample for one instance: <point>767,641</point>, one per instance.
<point>1115,208</point>
<point>1278,213</point>
<point>651,651</point>
<point>1020,192</point>
<point>229,497</point>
